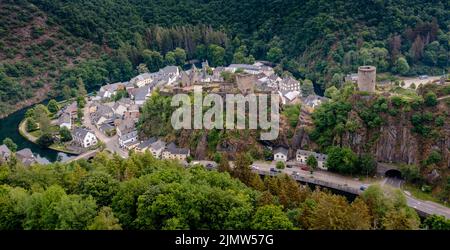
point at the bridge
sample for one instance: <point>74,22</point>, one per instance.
<point>349,185</point>
<point>87,156</point>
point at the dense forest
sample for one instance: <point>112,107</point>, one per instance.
<point>111,193</point>
<point>317,40</point>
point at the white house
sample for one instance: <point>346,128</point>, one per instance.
<point>289,84</point>
<point>302,156</point>
<point>280,154</point>
<point>84,137</point>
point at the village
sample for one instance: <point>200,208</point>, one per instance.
<point>112,121</point>
<point>109,118</point>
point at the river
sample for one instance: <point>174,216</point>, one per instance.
<point>9,128</point>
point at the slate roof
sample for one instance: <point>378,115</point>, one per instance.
<point>141,93</point>
<point>64,118</point>
<point>281,150</point>
<point>169,70</point>
<point>25,156</point>
<point>173,149</point>
<point>127,126</point>
<point>147,143</point>
<point>80,133</point>
<point>4,151</point>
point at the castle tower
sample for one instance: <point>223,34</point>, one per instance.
<point>367,78</point>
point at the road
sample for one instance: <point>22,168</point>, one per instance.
<point>392,181</point>
<point>318,175</point>
<point>111,143</point>
<point>353,185</point>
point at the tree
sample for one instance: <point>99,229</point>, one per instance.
<point>45,140</point>
<point>180,56</point>
<point>271,217</point>
<point>142,68</point>
<point>81,102</point>
<point>410,172</point>
<point>41,116</point>
<point>52,106</point>
<point>31,124</point>
<point>377,203</point>
<point>366,164</point>
<point>170,58</point>
<point>331,92</point>
<point>12,211</point>
<point>81,88</point>
<point>401,66</point>
<point>430,99</point>
<point>216,55</point>
<point>274,54</point>
<point>312,163</point>
<point>307,88</point>
<point>105,220</point>
<point>66,92</point>
<point>64,134</point>
<point>341,160</point>
<point>99,185</point>
<point>74,212</point>
<point>153,59</point>
<point>401,219</point>
<point>224,165</point>
<point>333,212</point>
<point>337,80</point>
<point>280,165</point>
<point>10,144</point>
<point>436,222</point>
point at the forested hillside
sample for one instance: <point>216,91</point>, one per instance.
<point>316,39</point>
<point>33,52</point>
<point>111,193</point>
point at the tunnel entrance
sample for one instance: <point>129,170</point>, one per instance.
<point>394,173</point>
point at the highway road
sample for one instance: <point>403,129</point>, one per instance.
<point>353,185</point>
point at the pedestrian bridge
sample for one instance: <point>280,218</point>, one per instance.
<point>87,156</point>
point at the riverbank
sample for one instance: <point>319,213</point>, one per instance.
<point>23,132</point>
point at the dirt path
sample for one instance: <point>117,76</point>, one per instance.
<point>24,132</point>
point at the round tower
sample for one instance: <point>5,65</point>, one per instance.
<point>367,78</point>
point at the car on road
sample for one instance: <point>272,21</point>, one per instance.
<point>363,187</point>
<point>295,173</point>
<point>422,77</point>
<point>288,166</point>
<point>254,167</point>
<point>304,168</point>
<point>274,170</point>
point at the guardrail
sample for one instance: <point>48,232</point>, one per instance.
<point>315,181</point>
